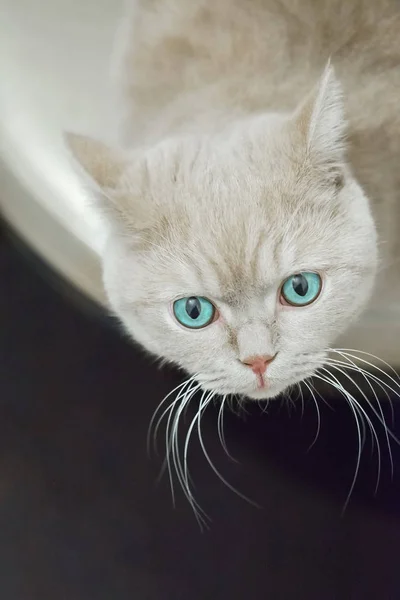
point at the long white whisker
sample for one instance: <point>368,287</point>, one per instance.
<point>348,350</point>
<point>360,408</point>
<point>318,394</point>
<point>200,514</point>
<point>346,353</point>
<point>153,418</point>
<point>264,409</point>
<point>382,421</point>
<point>205,399</point>
<point>169,439</point>
<point>380,415</point>
<point>172,436</point>
<point>379,381</point>
<point>336,363</point>
<point>208,396</point>
<point>302,398</point>
<point>345,394</point>
<point>220,427</point>
<point>182,472</point>
<point>214,468</point>
<point>349,364</point>
<point>362,423</point>
<point>242,405</point>
<point>182,395</point>
<point>372,428</point>
<point>318,416</point>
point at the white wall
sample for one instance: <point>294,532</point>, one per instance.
<point>54,62</point>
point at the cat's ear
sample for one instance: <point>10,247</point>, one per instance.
<point>102,164</point>
<point>321,123</point>
<point>104,169</point>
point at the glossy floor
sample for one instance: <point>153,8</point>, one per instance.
<point>81,516</point>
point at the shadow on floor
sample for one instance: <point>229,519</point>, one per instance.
<point>81,515</point>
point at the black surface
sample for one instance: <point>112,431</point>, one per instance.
<point>81,516</point>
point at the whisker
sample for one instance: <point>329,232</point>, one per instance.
<point>380,382</point>
<point>214,468</point>
<point>318,394</point>
<point>220,427</point>
<point>209,396</point>
<point>347,352</point>
<point>183,472</point>
<point>366,375</point>
<point>372,428</point>
<point>345,394</point>
<point>242,405</point>
<point>368,420</point>
<point>202,405</point>
<point>381,417</point>
<point>318,416</point>
<point>265,409</point>
<point>290,403</point>
<point>302,397</point>
<point>335,363</point>
<point>180,397</point>
<point>157,410</point>
<point>170,444</point>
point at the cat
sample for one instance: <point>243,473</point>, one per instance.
<point>257,170</point>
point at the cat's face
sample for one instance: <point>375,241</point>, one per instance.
<point>241,256</point>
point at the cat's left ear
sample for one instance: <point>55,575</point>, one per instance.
<point>321,123</point>
<point>102,164</point>
<point>105,170</point>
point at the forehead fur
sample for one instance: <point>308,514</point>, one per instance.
<point>227,181</point>
<point>238,212</point>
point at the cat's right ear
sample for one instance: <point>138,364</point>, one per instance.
<point>103,170</point>
<point>320,122</point>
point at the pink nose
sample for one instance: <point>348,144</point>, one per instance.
<point>258,364</point>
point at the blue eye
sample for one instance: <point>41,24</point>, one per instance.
<point>301,289</point>
<point>194,312</point>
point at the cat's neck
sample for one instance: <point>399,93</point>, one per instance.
<point>207,112</point>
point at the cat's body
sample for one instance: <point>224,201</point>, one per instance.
<point>234,177</point>
<point>194,66</point>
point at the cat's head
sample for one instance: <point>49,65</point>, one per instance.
<point>240,255</point>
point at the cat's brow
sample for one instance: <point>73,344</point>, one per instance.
<point>238,297</point>
<point>229,299</point>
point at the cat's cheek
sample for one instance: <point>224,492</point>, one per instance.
<point>226,332</point>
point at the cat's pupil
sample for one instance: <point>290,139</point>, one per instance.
<point>300,285</point>
<point>193,308</point>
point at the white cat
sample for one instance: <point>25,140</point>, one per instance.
<point>242,238</point>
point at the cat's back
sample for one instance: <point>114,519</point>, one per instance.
<point>183,58</point>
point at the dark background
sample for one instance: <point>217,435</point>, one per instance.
<point>81,514</point>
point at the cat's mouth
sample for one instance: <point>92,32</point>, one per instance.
<point>273,388</point>
<point>268,391</point>
<point>261,383</point>
<point>260,387</point>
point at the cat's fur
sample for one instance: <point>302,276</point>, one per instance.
<point>235,174</point>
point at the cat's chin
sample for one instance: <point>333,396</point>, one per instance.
<point>268,393</point>
<point>272,391</point>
